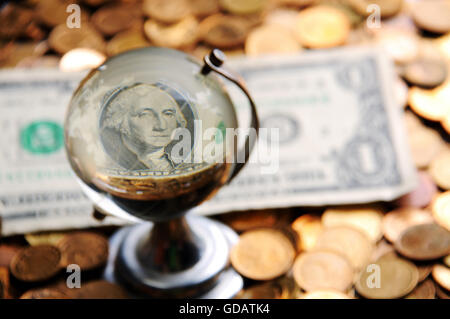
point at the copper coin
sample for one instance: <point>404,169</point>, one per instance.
<point>126,40</point>
<point>425,290</point>
<point>268,290</point>
<point>322,27</point>
<point>7,253</point>
<point>430,104</point>
<point>441,275</point>
<point>424,270</point>
<point>388,8</point>
<point>36,263</point>
<point>425,144</point>
<point>433,16</point>
<point>244,221</point>
<point>271,39</point>
<point>204,8</point>
<point>14,21</point>
<point>4,283</point>
<point>382,249</point>
<point>262,254</point>
<point>397,221</point>
<point>224,31</point>
<point>347,241</point>
<point>441,209</point>
<point>100,289</point>
<point>113,19</point>
<point>441,293</point>
<point>166,11</point>
<point>86,249</point>
<point>62,39</point>
<point>422,195</point>
<point>397,278</point>
<point>322,270</point>
<point>44,293</point>
<point>181,34</point>
<point>440,169</point>
<point>424,242</point>
<point>426,73</point>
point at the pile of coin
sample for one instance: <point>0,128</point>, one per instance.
<point>360,251</point>
<point>39,270</point>
<point>323,253</point>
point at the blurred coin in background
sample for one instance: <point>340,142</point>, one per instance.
<point>62,39</point>
<point>388,8</point>
<point>166,11</point>
<point>224,31</point>
<point>126,40</point>
<point>441,209</point>
<point>113,19</point>
<point>322,27</point>
<point>184,33</point>
<point>243,6</point>
<point>271,39</point>
<point>432,16</point>
<point>53,12</point>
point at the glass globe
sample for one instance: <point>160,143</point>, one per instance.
<point>146,134</point>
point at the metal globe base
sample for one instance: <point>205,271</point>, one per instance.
<point>184,257</point>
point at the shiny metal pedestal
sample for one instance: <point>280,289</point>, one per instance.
<point>186,257</point>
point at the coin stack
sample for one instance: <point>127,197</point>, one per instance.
<point>401,248</point>
<point>38,269</point>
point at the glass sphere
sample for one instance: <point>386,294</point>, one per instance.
<point>146,134</point>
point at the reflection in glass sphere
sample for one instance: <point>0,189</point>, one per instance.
<point>145,134</point>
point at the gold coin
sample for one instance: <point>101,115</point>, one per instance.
<point>204,8</point>
<point>397,221</point>
<point>113,19</point>
<point>44,238</point>
<point>440,170</point>
<point>397,278</point>
<point>425,290</point>
<point>365,218</point>
<point>224,31</point>
<point>296,3</point>
<point>308,228</point>
<point>243,6</point>
<point>181,34</point>
<point>425,144</point>
<point>53,12</point>
<point>325,294</point>
<point>347,241</point>
<point>441,274</point>
<point>126,40</point>
<point>443,45</point>
<point>388,8</point>
<point>322,270</point>
<point>62,39</point>
<point>430,104</point>
<point>81,59</point>
<point>166,11</point>
<point>270,39</point>
<point>322,27</point>
<point>262,254</point>
<point>441,209</point>
<point>433,16</point>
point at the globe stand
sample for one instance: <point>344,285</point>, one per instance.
<point>184,257</point>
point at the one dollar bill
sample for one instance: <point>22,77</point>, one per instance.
<point>341,140</point>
